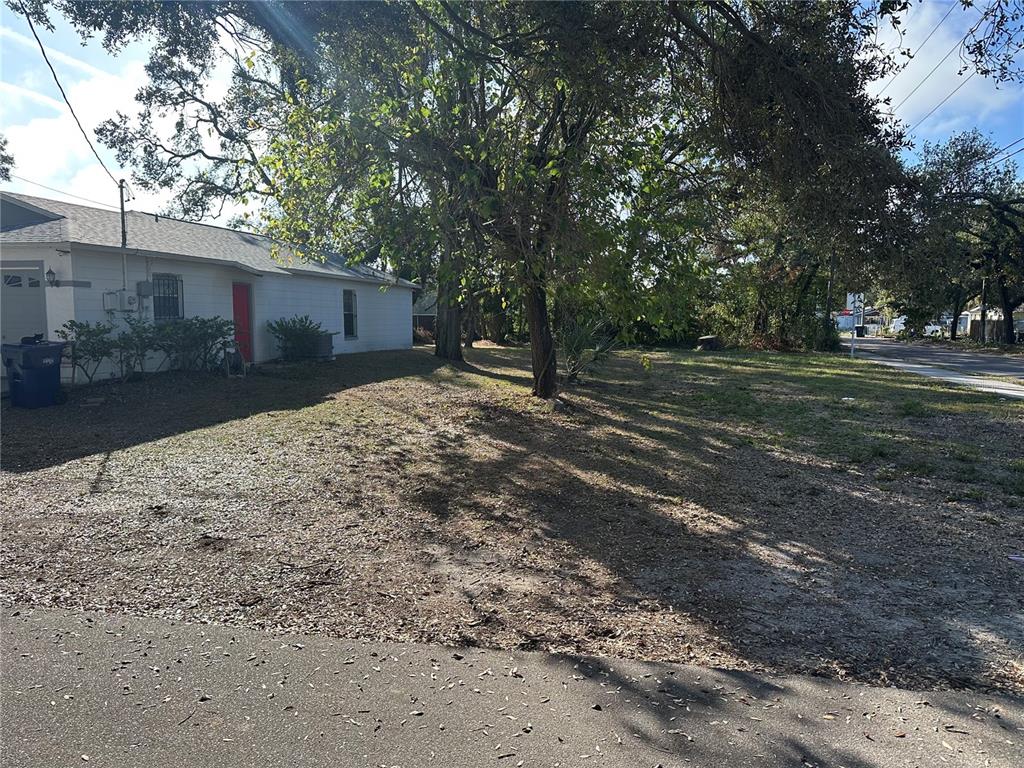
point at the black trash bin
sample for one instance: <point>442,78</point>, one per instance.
<point>33,372</point>
<point>860,331</point>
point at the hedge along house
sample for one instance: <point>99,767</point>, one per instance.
<point>63,262</point>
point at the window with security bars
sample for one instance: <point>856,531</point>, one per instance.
<point>168,300</point>
<point>349,299</point>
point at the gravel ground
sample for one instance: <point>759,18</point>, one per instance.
<point>724,510</point>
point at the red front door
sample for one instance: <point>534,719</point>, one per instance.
<point>242,301</point>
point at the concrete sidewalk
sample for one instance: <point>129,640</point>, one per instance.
<point>976,369</point>
<point>103,690</point>
<point>980,383</point>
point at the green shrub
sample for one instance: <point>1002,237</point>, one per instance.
<point>820,339</point>
<point>297,337</point>
<point>194,343</point>
<point>583,343</point>
<point>908,408</point>
<point>134,345</point>
<point>89,344</point>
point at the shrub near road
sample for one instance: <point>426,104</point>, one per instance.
<point>762,511</point>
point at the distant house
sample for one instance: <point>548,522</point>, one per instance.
<point>847,319</point>
<point>424,310</point>
<point>969,323</point>
<point>64,262</point>
<point>899,323</point>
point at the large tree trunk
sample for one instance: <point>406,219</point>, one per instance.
<point>542,345</point>
<point>448,332</point>
<point>471,323</point>
<point>497,327</point>
<point>959,299</point>
<point>1007,304</point>
<point>448,326</point>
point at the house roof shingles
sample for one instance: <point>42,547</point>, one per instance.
<point>173,237</point>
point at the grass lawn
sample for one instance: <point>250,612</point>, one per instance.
<point>754,511</point>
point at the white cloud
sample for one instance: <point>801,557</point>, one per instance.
<point>916,92</point>
<point>15,95</point>
<point>50,150</point>
<point>55,56</point>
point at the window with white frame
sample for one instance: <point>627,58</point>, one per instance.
<point>168,298</point>
<point>349,301</point>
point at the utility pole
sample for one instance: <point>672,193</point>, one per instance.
<point>984,312</point>
<point>124,238</point>
<point>827,319</point>
<point>124,227</point>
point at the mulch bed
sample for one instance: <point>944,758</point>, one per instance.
<point>386,496</point>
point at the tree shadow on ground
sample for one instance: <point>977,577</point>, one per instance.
<point>108,417</point>
<point>647,521</point>
<point>717,717</point>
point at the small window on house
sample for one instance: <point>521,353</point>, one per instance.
<point>14,281</point>
<point>350,314</point>
<point>168,300</point>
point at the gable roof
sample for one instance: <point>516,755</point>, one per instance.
<point>59,222</point>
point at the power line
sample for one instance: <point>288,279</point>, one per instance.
<point>941,62</point>
<point>62,192</point>
<point>920,47</point>
<point>1005,157</point>
<point>948,97</point>
<point>1003,149</point>
<point>950,94</point>
<point>42,49</point>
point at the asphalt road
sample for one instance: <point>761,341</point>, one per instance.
<point>102,690</point>
<point>964,361</point>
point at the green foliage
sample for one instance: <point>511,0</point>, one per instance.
<point>962,219</point>
<point>194,343</point>
<point>912,408</point>
<point>672,168</point>
<point>134,345</point>
<point>189,344</point>
<point>89,345</point>
<point>647,364</point>
<point>583,344</point>
<point>814,335</point>
<point>297,337</point>
<point>6,160</point>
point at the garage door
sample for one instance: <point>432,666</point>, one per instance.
<point>24,313</point>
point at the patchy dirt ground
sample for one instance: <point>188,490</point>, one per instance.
<point>804,514</point>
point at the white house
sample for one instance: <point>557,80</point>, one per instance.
<point>63,262</point>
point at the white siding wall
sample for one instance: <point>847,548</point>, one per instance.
<point>384,318</point>
<point>206,288</point>
<point>59,300</point>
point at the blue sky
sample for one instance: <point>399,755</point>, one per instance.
<point>48,148</point>
<point>997,110</point>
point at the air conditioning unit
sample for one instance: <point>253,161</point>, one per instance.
<point>120,301</point>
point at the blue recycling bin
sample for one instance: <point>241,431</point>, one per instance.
<point>33,372</point>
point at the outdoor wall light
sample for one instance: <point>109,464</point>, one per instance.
<point>51,277</point>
